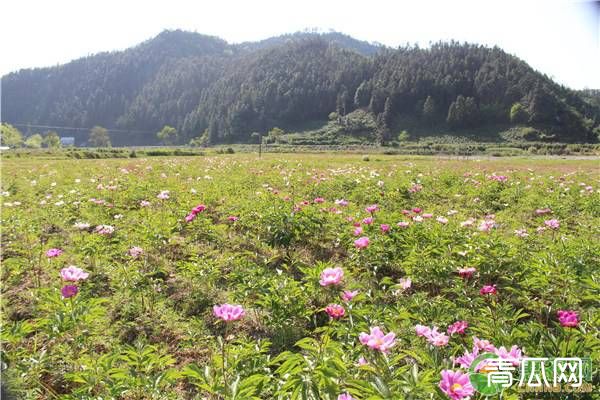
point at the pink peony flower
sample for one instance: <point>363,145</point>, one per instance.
<point>198,209</point>
<point>385,228</point>
<point>487,225</point>
<point>190,217</point>
<point>372,208</point>
<point>51,253</point>
<point>361,242</point>
<point>367,221</point>
<point>488,290</point>
<point>229,312</point>
<point>377,340</point>
<point>331,276</point>
<point>458,327</point>
<point>467,272</point>
<point>456,385</point>
<point>319,200</point>
<point>436,338</point>
<point>405,283</point>
<point>484,345</point>
<point>335,311</point>
<point>422,330</point>
<point>416,210</point>
<point>552,223</point>
<point>73,274</point>
<point>68,291</point>
<point>568,318</point>
<point>358,231</point>
<point>135,251</point>
<point>105,230</point>
<point>348,295</point>
<point>427,215</point>
<point>403,224</point>
<point>163,195</point>
<point>514,355</point>
<point>467,359</point>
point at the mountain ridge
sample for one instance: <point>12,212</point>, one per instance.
<point>221,92</point>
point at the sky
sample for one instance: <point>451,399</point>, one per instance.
<point>560,38</point>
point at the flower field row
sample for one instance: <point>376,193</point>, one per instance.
<point>293,277</point>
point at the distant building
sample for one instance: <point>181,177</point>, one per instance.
<point>67,141</point>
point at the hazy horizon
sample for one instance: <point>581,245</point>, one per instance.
<point>558,38</point>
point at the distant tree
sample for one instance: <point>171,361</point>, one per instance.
<point>52,140</point>
<point>275,134</point>
<point>34,141</point>
<point>99,137</point>
<point>403,136</point>
<point>462,112</point>
<point>168,135</point>
<point>10,136</point>
<point>429,109</point>
<point>362,96</point>
<point>518,114</point>
<point>333,116</point>
<point>201,140</point>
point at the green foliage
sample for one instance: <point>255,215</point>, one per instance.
<point>518,114</point>
<point>10,136</point>
<point>168,135</point>
<point>51,140</point>
<point>34,141</point>
<point>99,137</point>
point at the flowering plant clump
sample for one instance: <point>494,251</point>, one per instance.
<point>345,279</point>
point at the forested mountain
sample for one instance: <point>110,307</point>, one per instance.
<point>204,86</point>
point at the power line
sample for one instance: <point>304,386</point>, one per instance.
<point>73,128</point>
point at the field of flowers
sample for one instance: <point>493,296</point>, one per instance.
<point>293,276</point>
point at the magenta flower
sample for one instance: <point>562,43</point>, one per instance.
<point>335,311</point>
<point>372,208</point>
<point>456,385</point>
<point>68,291</point>
<point>514,354</point>
<point>427,215</point>
<point>105,230</point>
<point>361,242</point>
<point>331,276</point>
<point>488,290</point>
<point>135,251</point>
<point>486,225</point>
<point>367,221</point>
<point>348,295</point>
<point>458,327</point>
<point>377,340</point>
<point>345,396</point>
<point>467,272</point>
<point>341,202</point>
<point>403,224</point>
<point>358,231</point>
<point>319,200</point>
<point>467,359</point>
<point>543,211</point>
<point>422,330</point>
<point>73,274</point>
<point>437,339</point>
<point>163,195</point>
<point>190,217</point>
<point>442,220</point>
<point>484,345</point>
<point>568,318</point>
<point>229,312</point>
<point>416,210</point>
<point>232,218</point>
<point>552,223</point>
<point>51,253</point>
<point>385,228</point>
<point>198,209</point>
